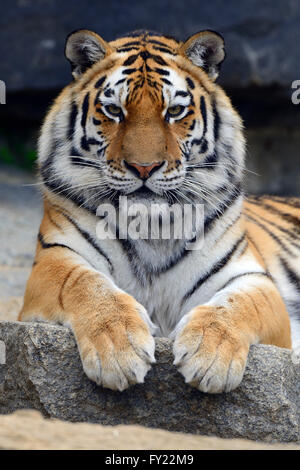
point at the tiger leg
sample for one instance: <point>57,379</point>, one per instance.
<point>111,328</point>
<point>212,341</point>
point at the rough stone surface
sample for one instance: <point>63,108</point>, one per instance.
<point>43,371</point>
<point>28,430</point>
<point>262,37</point>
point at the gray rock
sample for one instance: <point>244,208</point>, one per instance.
<point>262,37</point>
<point>43,371</point>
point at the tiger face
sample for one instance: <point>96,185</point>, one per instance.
<point>143,118</point>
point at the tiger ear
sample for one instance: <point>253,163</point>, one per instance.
<point>206,50</point>
<point>83,49</point>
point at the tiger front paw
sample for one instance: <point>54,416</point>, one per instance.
<point>210,353</point>
<point>115,344</point>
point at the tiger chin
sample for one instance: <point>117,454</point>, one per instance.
<point>145,119</point>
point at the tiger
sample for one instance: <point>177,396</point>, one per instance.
<point>145,119</point>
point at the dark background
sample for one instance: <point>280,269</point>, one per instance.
<point>263,59</point>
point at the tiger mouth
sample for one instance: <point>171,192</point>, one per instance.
<point>144,191</point>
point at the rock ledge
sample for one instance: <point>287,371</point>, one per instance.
<point>43,372</point>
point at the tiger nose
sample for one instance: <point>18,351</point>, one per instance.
<point>144,171</point>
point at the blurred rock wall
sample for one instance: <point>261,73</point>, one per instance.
<point>262,36</point>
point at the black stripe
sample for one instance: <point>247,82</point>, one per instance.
<point>222,209</point>
<point>151,272</point>
<point>83,162</point>
<point>252,273</point>
<point>90,240</point>
<point>189,113</point>
<point>192,126</point>
<point>97,122</point>
<point>96,100</point>
<point>289,233</point>
<point>181,93</point>
<point>101,151</point>
<point>212,160</point>
<point>255,200</point>
<point>129,71</point>
<point>216,122</point>
<point>250,239</point>
<point>162,71</point>
<point>271,234</point>
<point>158,59</point>
<point>109,92</point>
<point>131,43</point>
<point>46,245</point>
<point>121,81</point>
<point>128,49</point>
<point>290,201</point>
<point>84,143</point>
<point>99,110</point>
<point>204,147</point>
<point>100,82</point>
<point>144,55</point>
<point>130,60</point>
<point>148,69</point>
<point>204,114</point>
<point>215,269</point>
<point>92,141</point>
<point>160,43</point>
<point>55,184</point>
<point>292,276</point>
<point>190,83</point>
<point>58,186</point>
<point>85,108</point>
<point>196,141</point>
<point>163,49</point>
<point>72,120</point>
<point>291,219</point>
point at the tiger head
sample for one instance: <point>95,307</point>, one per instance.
<point>143,118</point>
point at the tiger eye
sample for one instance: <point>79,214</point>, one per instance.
<point>113,109</point>
<point>175,110</point>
